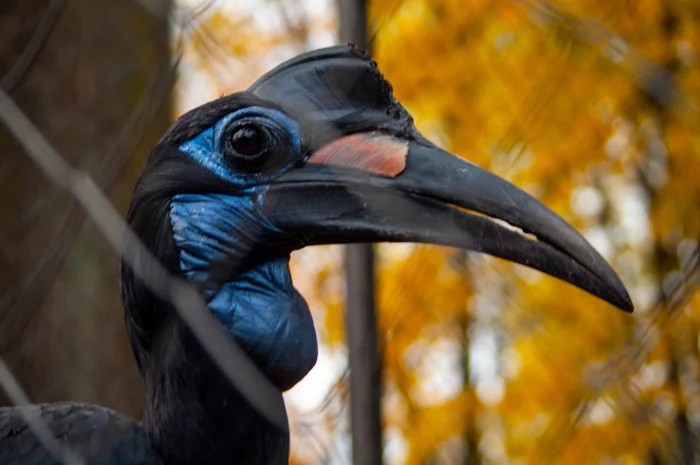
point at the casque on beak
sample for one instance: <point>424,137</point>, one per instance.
<point>371,177</point>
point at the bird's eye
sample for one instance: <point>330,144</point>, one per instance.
<point>255,146</point>
<point>248,140</point>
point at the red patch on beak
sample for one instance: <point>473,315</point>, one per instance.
<point>373,152</point>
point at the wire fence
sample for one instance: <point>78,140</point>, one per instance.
<point>321,431</point>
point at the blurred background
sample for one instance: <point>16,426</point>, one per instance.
<point>592,107</point>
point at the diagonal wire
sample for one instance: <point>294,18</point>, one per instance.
<point>233,362</point>
<point>53,446</point>
<point>35,45</point>
<point>38,426</point>
<point>658,83</point>
<point>25,294</point>
<point>228,356</point>
<point>158,8</point>
<point>654,80</point>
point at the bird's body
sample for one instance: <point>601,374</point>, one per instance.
<point>100,435</point>
<point>317,151</point>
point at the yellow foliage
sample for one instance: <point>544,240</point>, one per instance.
<point>563,98</point>
<point>554,99</point>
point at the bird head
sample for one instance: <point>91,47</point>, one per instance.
<point>318,151</point>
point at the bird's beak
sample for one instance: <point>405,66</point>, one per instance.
<point>373,187</point>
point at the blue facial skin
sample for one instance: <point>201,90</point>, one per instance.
<point>260,307</point>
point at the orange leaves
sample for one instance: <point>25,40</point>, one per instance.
<point>431,426</point>
<point>555,97</point>
<point>561,98</point>
<point>227,45</point>
<point>402,297</point>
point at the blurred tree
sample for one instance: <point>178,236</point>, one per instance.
<point>591,107</point>
<point>95,78</point>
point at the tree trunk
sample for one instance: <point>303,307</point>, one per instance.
<point>94,77</point>
<point>361,322</point>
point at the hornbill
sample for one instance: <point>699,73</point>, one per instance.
<point>317,151</point>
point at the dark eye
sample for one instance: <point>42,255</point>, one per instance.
<point>248,140</point>
<point>254,146</point>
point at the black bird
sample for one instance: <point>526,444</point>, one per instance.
<point>317,151</point>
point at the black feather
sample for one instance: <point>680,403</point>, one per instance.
<point>99,435</point>
<point>192,414</point>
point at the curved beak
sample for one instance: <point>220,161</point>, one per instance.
<point>373,187</point>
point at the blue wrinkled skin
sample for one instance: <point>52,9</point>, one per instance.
<point>260,307</point>
<point>205,147</point>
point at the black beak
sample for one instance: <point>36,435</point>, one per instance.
<point>371,187</point>
<point>386,182</point>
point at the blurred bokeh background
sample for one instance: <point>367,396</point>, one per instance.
<point>592,107</point>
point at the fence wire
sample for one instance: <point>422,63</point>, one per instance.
<point>655,80</point>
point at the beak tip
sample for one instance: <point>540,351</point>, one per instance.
<point>621,299</point>
<point>627,306</point>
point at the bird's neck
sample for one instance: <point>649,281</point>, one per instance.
<point>194,416</point>
<point>215,234</point>
<point>192,413</point>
